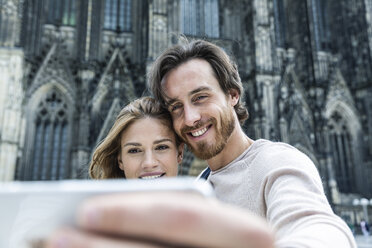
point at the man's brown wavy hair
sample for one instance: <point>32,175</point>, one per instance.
<point>224,68</point>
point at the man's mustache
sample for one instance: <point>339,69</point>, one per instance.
<point>199,124</point>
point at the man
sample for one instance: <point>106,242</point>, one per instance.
<point>275,186</point>
<point>365,228</point>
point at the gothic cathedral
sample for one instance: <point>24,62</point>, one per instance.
<point>67,67</point>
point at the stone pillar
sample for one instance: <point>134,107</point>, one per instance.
<point>158,30</point>
<point>10,22</point>
<point>11,89</point>
<point>265,50</point>
<point>81,154</point>
<point>158,22</point>
<point>283,125</point>
<point>368,4</point>
<point>11,119</point>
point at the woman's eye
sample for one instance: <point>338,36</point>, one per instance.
<point>134,150</point>
<point>174,107</point>
<point>162,147</point>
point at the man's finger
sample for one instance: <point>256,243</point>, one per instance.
<point>183,219</point>
<point>73,238</point>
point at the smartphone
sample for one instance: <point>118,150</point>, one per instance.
<point>30,211</point>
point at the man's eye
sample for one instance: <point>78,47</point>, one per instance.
<point>162,147</point>
<point>198,98</point>
<point>134,150</point>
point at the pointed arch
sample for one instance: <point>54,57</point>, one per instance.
<point>53,70</point>
<point>347,112</point>
<point>294,110</point>
<point>298,135</point>
<point>339,99</point>
<point>344,129</point>
<point>116,76</point>
<point>341,143</point>
<point>50,83</point>
<point>290,79</point>
<point>49,114</point>
<point>110,119</point>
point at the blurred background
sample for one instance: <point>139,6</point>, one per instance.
<point>67,67</point>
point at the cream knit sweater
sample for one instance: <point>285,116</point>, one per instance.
<point>281,184</point>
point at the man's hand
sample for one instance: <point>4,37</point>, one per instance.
<point>152,220</point>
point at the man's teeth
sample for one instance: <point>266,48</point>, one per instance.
<point>152,177</point>
<point>199,133</point>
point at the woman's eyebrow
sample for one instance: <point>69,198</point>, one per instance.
<point>162,140</point>
<point>131,144</point>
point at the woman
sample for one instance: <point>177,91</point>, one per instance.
<point>141,144</point>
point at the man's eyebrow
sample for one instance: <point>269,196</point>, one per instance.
<point>201,88</point>
<point>132,144</point>
<point>162,140</point>
<point>170,101</point>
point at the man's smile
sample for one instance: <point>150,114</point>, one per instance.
<point>199,133</point>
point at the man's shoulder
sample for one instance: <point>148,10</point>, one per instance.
<point>273,154</point>
<point>264,143</point>
<point>266,149</point>
<point>278,159</point>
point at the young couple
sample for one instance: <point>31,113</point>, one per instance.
<point>269,194</point>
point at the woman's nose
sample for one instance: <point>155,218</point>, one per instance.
<point>149,160</point>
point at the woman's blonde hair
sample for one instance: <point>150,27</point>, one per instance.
<point>104,163</point>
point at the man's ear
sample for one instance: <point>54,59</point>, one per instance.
<point>120,162</point>
<point>234,96</point>
<point>180,153</point>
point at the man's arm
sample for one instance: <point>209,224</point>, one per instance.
<point>163,220</point>
<point>297,207</point>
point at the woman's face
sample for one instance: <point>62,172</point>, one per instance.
<point>149,151</point>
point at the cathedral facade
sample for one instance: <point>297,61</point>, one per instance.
<point>67,67</point>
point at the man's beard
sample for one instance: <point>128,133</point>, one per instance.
<point>206,151</point>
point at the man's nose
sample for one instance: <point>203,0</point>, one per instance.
<point>191,115</point>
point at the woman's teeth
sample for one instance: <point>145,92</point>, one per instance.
<point>199,133</point>
<point>152,177</point>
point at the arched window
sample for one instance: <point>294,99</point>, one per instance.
<point>341,150</point>
<point>51,136</point>
<point>61,12</point>
<point>200,18</point>
<point>118,15</point>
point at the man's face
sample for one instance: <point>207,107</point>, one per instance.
<point>203,116</point>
